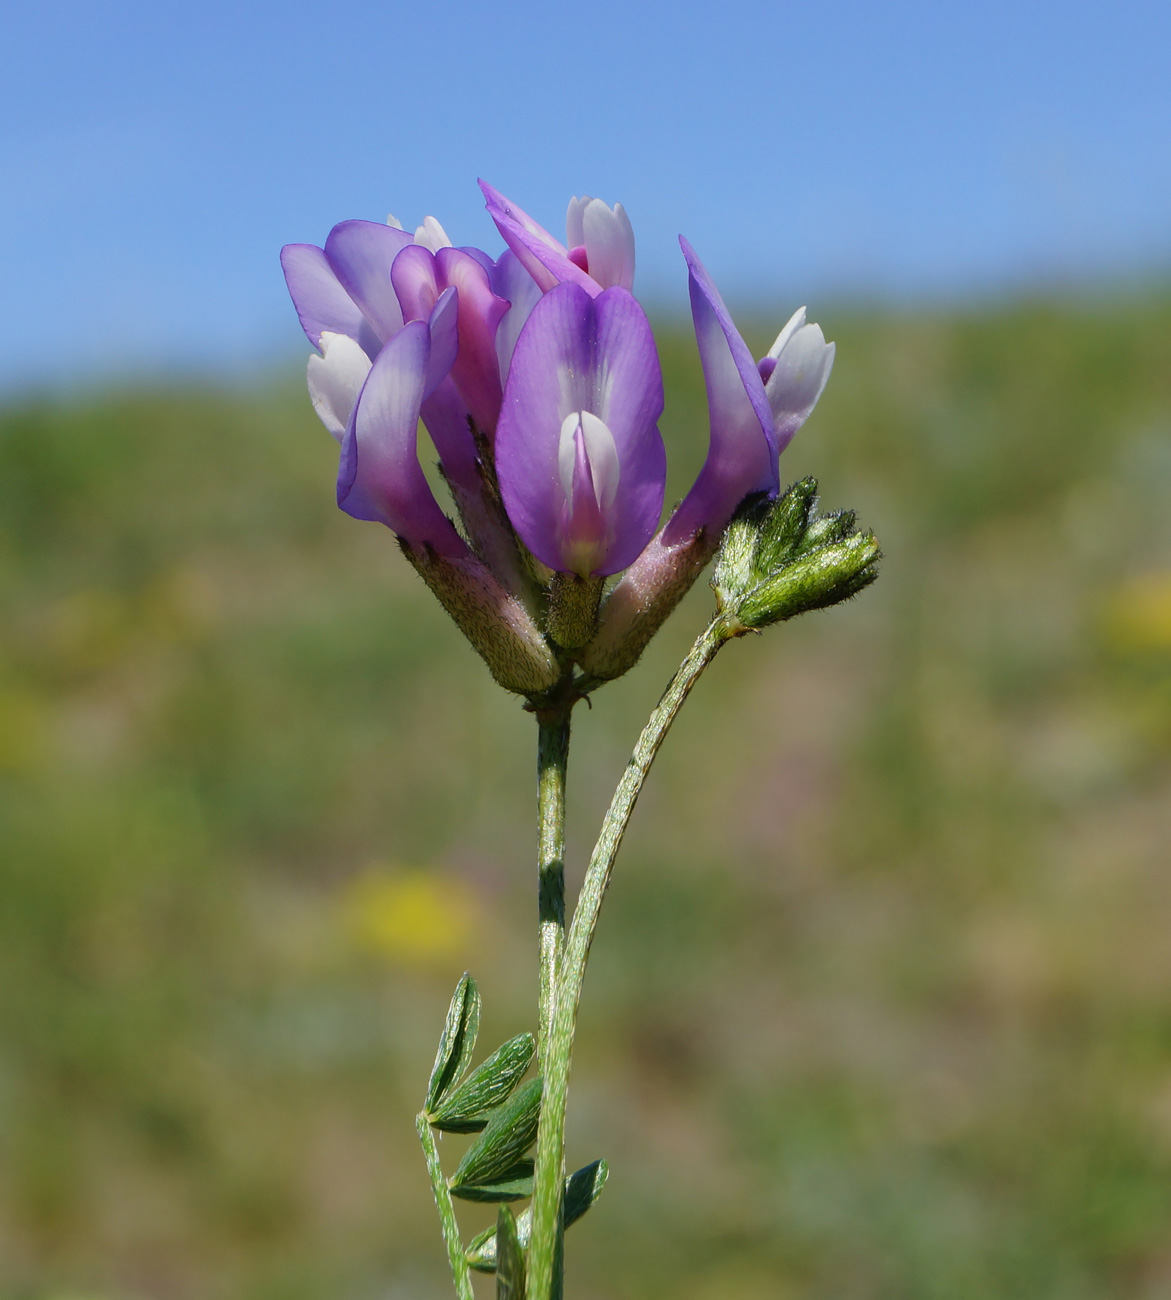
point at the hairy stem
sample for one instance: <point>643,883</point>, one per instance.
<point>544,1243</point>
<point>552,761</point>
<point>455,1251</point>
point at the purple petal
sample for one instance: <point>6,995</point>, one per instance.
<point>379,477</point>
<point>361,254</point>
<point>416,282</point>
<point>742,455</point>
<point>444,326</point>
<point>445,413</point>
<point>484,260</point>
<point>542,256</point>
<point>476,370</point>
<point>419,277</point>
<point>323,306</point>
<point>512,282</point>
<point>581,355</point>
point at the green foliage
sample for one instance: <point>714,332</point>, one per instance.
<point>457,1043</point>
<point>466,1109</point>
<point>510,1273</point>
<point>582,1189</point>
<point>494,1167</point>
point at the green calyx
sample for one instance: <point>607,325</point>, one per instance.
<point>781,558</point>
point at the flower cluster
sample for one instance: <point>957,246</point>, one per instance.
<point>537,379</point>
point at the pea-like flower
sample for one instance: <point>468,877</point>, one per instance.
<point>581,463</point>
<point>536,376</point>
<point>754,409</point>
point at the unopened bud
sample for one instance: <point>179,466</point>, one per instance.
<point>780,559</point>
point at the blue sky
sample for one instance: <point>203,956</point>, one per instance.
<point>155,157</point>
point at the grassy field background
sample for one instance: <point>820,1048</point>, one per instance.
<point>881,1003</point>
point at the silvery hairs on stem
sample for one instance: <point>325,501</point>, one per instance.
<point>536,376</point>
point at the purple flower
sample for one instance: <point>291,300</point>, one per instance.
<point>601,243</point>
<point>578,452</point>
<point>379,476</point>
<point>375,371</point>
<point>754,410</point>
<point>419,278</point>
<point>537,378</point>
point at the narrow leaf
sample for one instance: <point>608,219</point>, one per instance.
<point>480,1252</point>
<point>458,1041</point>
<point>510,1132</point>
<point>582,1189</point>
<point>510,1272</point>
<point>511,1184</point>
<point>466,1109</point>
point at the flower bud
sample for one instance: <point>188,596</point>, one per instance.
<point>779,559</point>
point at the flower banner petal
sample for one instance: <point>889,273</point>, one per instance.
<point>579,357</point>
<point>322,303</point>
<point>361,254</point>
<point>742,454</point>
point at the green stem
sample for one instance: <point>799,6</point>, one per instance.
<point>455,1251</point>
<point>552,761</point>
<point>543,1281</point>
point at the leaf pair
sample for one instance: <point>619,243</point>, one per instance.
<point>494,1167</point>
<point>465,1107</point>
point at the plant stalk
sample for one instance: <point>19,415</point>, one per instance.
<point>544,1240</point>
<point>443,1203</point>
<point>552,762</point>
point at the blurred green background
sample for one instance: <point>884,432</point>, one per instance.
<point>881,1001</point>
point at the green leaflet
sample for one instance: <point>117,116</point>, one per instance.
<point>511,1131</point>
<point>510,1274</point>
<point>468,1107</point>
<point>511,1184</point>
<point>458,1041</point>
<point>582,1189</point>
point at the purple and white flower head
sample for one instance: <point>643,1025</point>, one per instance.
<point>580,459</point>
<point>536,375</point>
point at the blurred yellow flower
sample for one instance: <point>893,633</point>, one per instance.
<point>24,728</point>
<point>1137,617</point>
<point>414,917</point>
